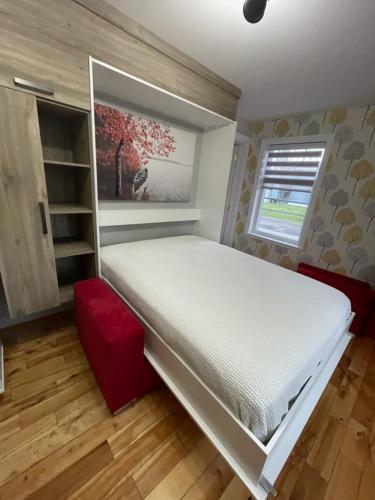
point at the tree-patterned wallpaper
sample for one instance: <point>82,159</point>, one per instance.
<point>341,235</point>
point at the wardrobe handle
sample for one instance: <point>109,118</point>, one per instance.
<point>37,87</point>
<point>43,217</point>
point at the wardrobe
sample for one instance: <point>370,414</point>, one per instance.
<point>47,227</point>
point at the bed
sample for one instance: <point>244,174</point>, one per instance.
<point>246,345</point>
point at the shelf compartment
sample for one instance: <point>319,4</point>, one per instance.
<point>66,294</point>
<point>64,133</point>
<point>68,184</point>
<point>67,247</point>
<point>75,268</point>
<point>68,208</point>
<point>66,164</point>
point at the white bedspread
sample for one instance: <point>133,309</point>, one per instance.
<point>252,331</point>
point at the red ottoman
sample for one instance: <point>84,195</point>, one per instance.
<point>359,293</point>
<point>112,338</point>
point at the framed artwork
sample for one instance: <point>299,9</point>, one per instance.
<point>142,159</point>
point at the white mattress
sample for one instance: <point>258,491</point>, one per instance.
<point>252,331</point>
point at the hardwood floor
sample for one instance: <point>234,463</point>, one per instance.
<point>58,440</point>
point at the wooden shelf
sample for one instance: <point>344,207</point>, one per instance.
<point>68,208</point>
<point>147,216</point>
<point>71,248</point>
<point>66,294</point>
<point>66,164</point>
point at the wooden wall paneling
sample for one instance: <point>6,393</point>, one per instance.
<point>26,51</point>
<point>142,34</point>
<point>26,254</point>
<point>83,32</point>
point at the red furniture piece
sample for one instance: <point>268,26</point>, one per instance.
<point>359,293</point>
<point>113,340</point>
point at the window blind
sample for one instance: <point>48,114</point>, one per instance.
<point>292,166</point>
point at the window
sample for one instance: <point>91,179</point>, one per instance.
<point>286,185</point>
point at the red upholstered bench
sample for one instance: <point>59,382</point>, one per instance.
<point>359,292</point>
<point>112,338</point>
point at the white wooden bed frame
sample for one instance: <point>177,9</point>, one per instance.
<point>256,464</point>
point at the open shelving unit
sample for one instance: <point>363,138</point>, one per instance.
<point>65,137</point>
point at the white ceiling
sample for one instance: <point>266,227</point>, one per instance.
<point>304,55</point>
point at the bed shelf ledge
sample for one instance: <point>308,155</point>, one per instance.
<point>147,216</point>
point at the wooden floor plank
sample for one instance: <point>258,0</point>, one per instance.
<point>367,484</point>
<point>76,439</point>
<point>127,462</point>
<point>137,427</point>
<point>310,485</point>
<point>326,448</point>
<point>346,397</point>
<point>212,483</point>
<point>56,434</point>
<point>296,462</point>
<point>189,434</point>
<point>185,474</point>
<point>322,409</point>
<point>26,436</point>
<point>9,427</point>
<point>356,443</point>
<point>48,367</point>
<point>22,461</point>
<point>76,475</point>
<point>344,484</point>
<point>235,490</point>
<point>124,490</point>
<point>364,410</point>
<point>50,403</point>
<point>158,466</point>
<point>362,356</point>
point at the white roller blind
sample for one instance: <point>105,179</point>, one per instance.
<point>293,166</point>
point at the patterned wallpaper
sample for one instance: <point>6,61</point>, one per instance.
<point>341,235</point>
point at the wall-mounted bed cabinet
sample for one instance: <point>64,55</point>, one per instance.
<point>47,226</point>
<point>203,214</point>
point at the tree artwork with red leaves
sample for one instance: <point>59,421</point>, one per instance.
<point>124,145</point>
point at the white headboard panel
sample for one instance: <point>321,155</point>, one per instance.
<point>203,215</point>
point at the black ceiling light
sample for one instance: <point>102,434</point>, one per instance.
<point>253,10</point>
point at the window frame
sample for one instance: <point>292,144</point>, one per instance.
<point>257,189</point>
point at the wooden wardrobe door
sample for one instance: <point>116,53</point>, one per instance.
<point>27,263</point>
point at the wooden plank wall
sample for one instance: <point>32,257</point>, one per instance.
<point>50,40</point>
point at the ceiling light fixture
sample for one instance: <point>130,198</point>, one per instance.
<point>253,10</point>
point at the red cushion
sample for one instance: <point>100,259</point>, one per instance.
<point>359,293</point>
<point>112,338</point>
